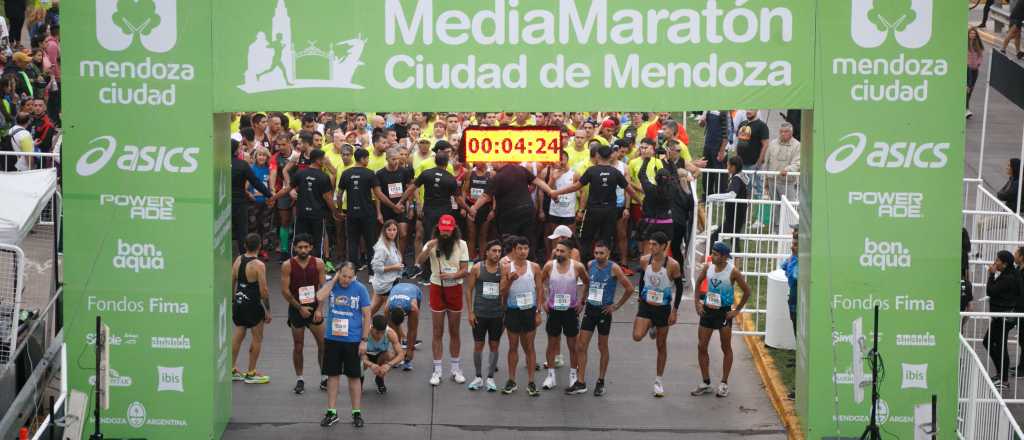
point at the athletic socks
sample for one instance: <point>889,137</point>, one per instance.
<point>332,411</point>
<point>493,364</point>
<point>282,234</point>
<point>551,372</point>
<point>437,365</point>
<point>455,364</point>
<point>477,363</point>
<point>657,379</point>
<point>299,377</point>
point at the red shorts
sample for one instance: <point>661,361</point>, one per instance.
<point>636,213</point>
<point>444,299</point>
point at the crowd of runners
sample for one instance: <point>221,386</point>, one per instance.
<point>512,246</point>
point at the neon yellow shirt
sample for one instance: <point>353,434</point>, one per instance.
<point>377,161</point>
<point>634,172</point>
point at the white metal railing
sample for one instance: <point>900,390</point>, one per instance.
<point>982,413</point>
<point>12,283</point>
<point>992,227</point>
<point>28,160</point>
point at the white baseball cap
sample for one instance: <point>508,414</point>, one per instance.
<point>562,231</point>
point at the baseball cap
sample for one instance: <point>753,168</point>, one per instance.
<point>722,249</point>
<point>446,223</point>
<point>562,231</point>
<point>22,57</point>
<point>608,123</point>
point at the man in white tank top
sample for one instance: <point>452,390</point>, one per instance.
<point>520,279</point>
<point>716,310</point>
<point>658,306</point>
<point>559,282</point>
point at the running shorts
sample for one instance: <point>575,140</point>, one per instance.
<point>342,358</point>
<point>445,299</point>
<point>247,315</point>
<point>521,320</point>
<point>295,319</point>
<point>715,319</point>
<point>563,321</point>
<point>594,317</point>
<point>657,314</point>
<point>488,328</point>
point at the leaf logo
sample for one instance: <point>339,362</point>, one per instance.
<point>910,22</point>
<point>153,22</point>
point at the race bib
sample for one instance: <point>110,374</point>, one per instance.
<point>339,327</point>
<point>595,295</point>
<point>655,297</point>
<point>476,192</point>
<point>490,290</point>
<point>449,283</point>
<point>524,300</point>
<point>395,190</point>
<point>564,200</point>
<point>454,205</point>
<point>561,301</point>
<point>713,300</point>
<point>307,295</point>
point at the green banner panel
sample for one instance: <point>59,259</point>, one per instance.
<point>883,194</point>
<point>528,55</point>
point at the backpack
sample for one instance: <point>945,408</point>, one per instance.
<point>9,161</point>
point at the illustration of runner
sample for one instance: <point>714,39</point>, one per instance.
<point>278,46</point>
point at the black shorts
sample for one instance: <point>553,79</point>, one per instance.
<point>521,320</point>
<point>247,315</point>
<point>388,214</point>
<point>715,319</point>
<point>657,314</point>
<point>490,328</point>
<point>568,221</point>
<point>594,317</point>
<point>481,214</point>
<point>284,203</point>
<point>342,358</point>
<point>563,321</point>
<point>295,319</point>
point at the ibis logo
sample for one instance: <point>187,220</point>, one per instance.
<point>909,22</point>
<point>153,22</point>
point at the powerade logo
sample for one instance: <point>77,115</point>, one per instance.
<point>137,257</point>
<point>136,159</point>
<point>900,154</point>
<point>885,255</point>
<point>910,22</point>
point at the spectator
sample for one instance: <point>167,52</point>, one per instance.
<point>1016,19</point>
<point>1008,193</point>
<point>1003,290</point>
<point>783,156</point>
<point>735,213</point>
<point>716,137</point>
<point>21,140</point>
<point>975,55</point>
<point>19,67</point>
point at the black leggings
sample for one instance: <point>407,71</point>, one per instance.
<point>598,224</point>
<point>364,228</point>
<point>680,240</point>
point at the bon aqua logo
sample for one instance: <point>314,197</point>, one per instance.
<point>909,21</point>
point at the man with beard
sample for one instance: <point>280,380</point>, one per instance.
<point>449,258</point>
<point>485,313</point>
<point>558,280</point>
<point>301,276</point>
<point>519,290</point>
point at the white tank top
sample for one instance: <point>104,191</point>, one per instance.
<point>657,286</point>
<point>565,204</point>
<point>720,291</point>
<point>522,294</point>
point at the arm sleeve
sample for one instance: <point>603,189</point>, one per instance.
<point>640,283</point>
<point>679,293</point>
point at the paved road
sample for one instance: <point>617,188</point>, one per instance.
<point>413,409</point>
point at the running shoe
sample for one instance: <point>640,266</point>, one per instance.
<point>702,389</point>
<point>406,366</point>
<point>237,376</point>
<point>381,388</point>
<point>413,272</point>
<point>457,375</point>
<point>531,389</point>
<point>723,390</point>
<point>328,266</point>
<point>405,344</point>
<point>659,391</point>
<point>652,333</point>
<point>491,386</point>
<point>357,419</point>
<point>626,270</point>
<point>476,384</point>
<point>510,387</point>
<point>599,388</point>
<point>330,418</point>
<point>323,384</point>
<point>300,387</point>
<point>576,388</point>
<point>361,268</point>
<point>435,378</point>
<point>253,378</point>
<point>550,382</point>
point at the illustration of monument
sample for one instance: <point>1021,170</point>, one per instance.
<point>274,63</point>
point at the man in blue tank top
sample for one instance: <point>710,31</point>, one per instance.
<point>716,311</point>
<point>345,308</point>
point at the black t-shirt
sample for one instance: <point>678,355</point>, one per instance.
<point>510,188</point>
<point>603,179</point>
<point>438,188</point>
<point>311,185</point>
<point>358,184</point>
<point>748,140</point>
<point>394,183</point>
<point>401,131</point>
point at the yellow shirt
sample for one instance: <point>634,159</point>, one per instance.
<point>575,156</point>
<point>416,159</point>
<point>236,123</point>
<point>377,161</point>
<point>634,172</point>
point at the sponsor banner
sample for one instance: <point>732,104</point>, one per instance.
<point>883,189</point>
<point>470,55</point>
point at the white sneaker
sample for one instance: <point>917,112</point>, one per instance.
<point>702,389</point>
<point>573,377</point>
<point>435,378</point>
<point>550,382</point>
<point>659,391</point>
<point>723,390</point>
<point>969,114</point>
<point>457,376</point>
<point>491,386</point>
<point>559,361</point>
<point>476,384</point>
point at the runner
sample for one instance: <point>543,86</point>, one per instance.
<point>405,300</point>
<point>485,313</point>
<point>250,308</point>
<point>348,311</point>
<point>315,198</point>
<point>562,209</point>
<point>301,277</point>
<point>394,179</point>
<point>360,184</point>
<point>657,308</point>
<point>441,194</point>
<point>519,281</point>
<point>563,305</point>
<point>598,314</point>
<point>474,187</point>
<point>716,313</point>
<point>386,265</point>
<point>383,351</point>
<point>278,180</point>
<point>448,258</point>
<point>513,206</point>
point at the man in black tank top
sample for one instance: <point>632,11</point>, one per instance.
<point>250,307</point>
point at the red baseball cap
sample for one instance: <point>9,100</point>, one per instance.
<point>446,223</point>
<point>608,123</point>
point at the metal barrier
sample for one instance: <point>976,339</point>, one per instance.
<point>982,413</point>
<point>12,283</point>
<point>24,161</point>
<point>992,227</point>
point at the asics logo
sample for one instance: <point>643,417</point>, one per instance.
<point>886,154</point>
<point>132,158</point>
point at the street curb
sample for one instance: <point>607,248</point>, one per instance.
<point>776,389</point>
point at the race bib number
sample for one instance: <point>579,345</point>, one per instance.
<point>490,290</point>
<point>454,205</point>
<point>595,295</point>
<point>339,327</point>
<point>476,192</point>
<point>395,190</point>
<point>713,300</point>
<point>524,300</point>
<point>564,200</point>
<point>307,295</point>
<point>561,301</point>
<point>655,297</point>
<point>449,283</point>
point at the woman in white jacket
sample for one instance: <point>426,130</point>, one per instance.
<point>387,265</point>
